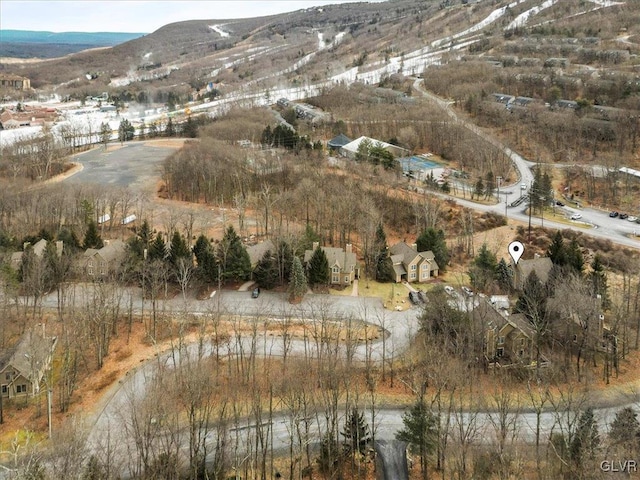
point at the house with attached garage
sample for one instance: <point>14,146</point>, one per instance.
<point>23,367</point>
<point>343,263</point>
<point>412,266</point>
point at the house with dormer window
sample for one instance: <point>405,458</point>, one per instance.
<point>343,263</point>
<point>412,266</point>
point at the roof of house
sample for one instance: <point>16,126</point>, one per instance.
<point>493,318</point>
<point>38,248</point>
<point>401,252</point>
<point>339,141</point>
<point>336,256</point>
<point>256,252</point>
<point>541,265</point>
<point>113,251</point>
<point>30,354</point>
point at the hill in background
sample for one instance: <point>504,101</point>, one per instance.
<point>39,44</point>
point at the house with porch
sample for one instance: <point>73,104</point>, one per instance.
<point>412,266</point>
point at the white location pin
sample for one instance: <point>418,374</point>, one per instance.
<point>516,249</point>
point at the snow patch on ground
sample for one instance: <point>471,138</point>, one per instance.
<point>320,41</point>
<point>218,30</point>
<point>522,19</point>
<point>147,55</point>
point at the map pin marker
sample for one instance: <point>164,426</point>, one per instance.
<point>516,249</point>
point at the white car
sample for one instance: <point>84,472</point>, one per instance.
<point>576,216</point>
<point>449,289</point>
<point>632,219</point>
<point>468,292</point>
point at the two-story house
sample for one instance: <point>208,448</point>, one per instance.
<point>343,264</point>
<point>23,371</point>
<point>97,263</point>
<point>412,266</point>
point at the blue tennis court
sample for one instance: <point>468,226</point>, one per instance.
<point>414,163</point>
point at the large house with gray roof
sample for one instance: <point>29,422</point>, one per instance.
<point>97,263</point>
<point>412,266</point>
<point>343,263</point>
<point>23,370</point>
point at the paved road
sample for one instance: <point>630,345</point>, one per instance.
<point>595,223</point>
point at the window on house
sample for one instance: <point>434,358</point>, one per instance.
<point>5,389</point>
<point>335,279</point>
<point>425,274</point>
<point>8,376</point>
<point>414,267</point>
<point>522,341</point>
<point>352,267</point>
<point>21,388</point>
<point>521,353</point>
<point>336,269</point>
<point>575,337</point>
<point>346,279</point>
<point>90,268</point>
<point>500,340</point>
<point>500,352</point>
<point>412,276</point>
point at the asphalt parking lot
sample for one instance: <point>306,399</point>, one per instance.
<point>135,165</point>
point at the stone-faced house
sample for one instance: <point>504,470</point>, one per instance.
<point>412,266</point>
<point>97,263</point>
<point>22,372</point>
<point>343,264</point>
<point>508,339</point>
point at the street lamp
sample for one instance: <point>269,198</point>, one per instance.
<point>506,194</point>
<point>498,180</point>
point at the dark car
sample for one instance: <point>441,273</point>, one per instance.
<point>624,216</point>
<point>255,293</point>
<point>415,298</point>
<point>613,214</point>
<point>560,204</point>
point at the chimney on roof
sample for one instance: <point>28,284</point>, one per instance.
<point>315,245</point>
<point>348,248</point>
<point>414,246</point>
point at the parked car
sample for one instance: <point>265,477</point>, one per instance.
<point>468,292</point>
<point>560,204</point>
<point>632,218</point>
<point>449,289</point>
<point>624,216</point>
<point>255,293</point>
<point>613,214</point>
<point>415,298</point>
<point>576,216</point>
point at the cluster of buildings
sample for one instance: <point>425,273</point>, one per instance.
<point>27,116</point>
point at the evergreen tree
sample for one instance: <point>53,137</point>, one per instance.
<point>153,130</point>
<point>586,439</point>
<point>233,258</point>
<point>532,302</point>
<point>69,240</point>
<point>179,248</point>
<point>575,260</point>
<point>157,249</point>
<point>145,233</point>
<point>483,268</point>
<point>297,282</point>
<point>356,432</point>
<point>420,431</point>
<point>598,280</point>
<point>381,257</point>
<point>434,240</point>
<point>190,129</point>
<point>504,276</point>
<point>205,257</point>
<point>170,130</point>
<point>266,272</point>
<point>309,238</point>
<point>125,131</point>
<point>91,237</point>
<point>625,431</point>
<point>489,185</point>
<point>318,268</point>
<point>479,188</point>
<point>557,251</point>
